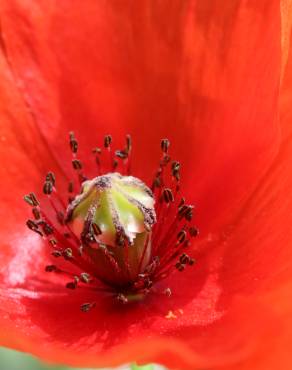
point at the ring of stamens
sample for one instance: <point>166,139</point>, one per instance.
<point>170,238</point>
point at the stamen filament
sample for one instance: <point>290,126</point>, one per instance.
<point>108,256</point>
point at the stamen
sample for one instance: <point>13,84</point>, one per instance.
<point>165,143</point>
<point>108,255</point>
<point>107,141</point>
<point>175,168</point>
<point>193,232</point>
<point>36,213</point>
<point>121,154</point>
<point>51,178</point>
<point>53,242</point>
<point>85,278</point>
<point>33,226</point>
<point>51,268</point>
<point>86,307</point>
<point>181,236</point>
<point>57,254</point>
<point>167,195</point>
<point>73,143</point>
<point>68,253</point>
<point>31,199</point>
<point>48,188</point>
<point>77,165</point>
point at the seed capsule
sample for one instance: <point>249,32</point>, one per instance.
<point>114,215</point>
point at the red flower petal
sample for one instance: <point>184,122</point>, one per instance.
<point>201,324</point>
<point>196,72</point>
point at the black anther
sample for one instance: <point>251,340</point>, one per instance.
<point>165,145</point>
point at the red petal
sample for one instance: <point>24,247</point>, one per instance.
<point>204,74</point>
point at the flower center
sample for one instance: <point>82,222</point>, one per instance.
<point>114,213</point>
<point>118,235</point>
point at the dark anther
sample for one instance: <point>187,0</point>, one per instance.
<point>71,285</point>
<point>122,298</point>
<point>193,231</point>
<point>191,261</point>
<point>128,143</point>
<point>121,154</point>
<point>36,213</point>
<point>31,199</point>
<point>74,145</point>
<point>70,187</point>
<point>189,214</point>
<point>68,253</point>
<point>182,210</point>
<point>176,175</point>
<point>31,225</point>
<point>96,229</point>
<point>165,145</point>
<point>175,168</point>
<point>179,266</point>
<point>48,230</point>
<point>50,268</point>
<point>53,242</point>
<point>107,141</point>
<point>77,165</point>
<point>73,142</point>
<point>84,277</point>
<point>181,236</point>
<point>50,177</point>
<point>85,307</point>
<point>57,253</point>
<point>48,187</point>
<point>184,259</point>
<point>34,199</point>
<point>185,211</point>
<point>157,182</point>
<point>167,195</point>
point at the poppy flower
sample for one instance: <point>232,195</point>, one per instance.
<point>214,77</point>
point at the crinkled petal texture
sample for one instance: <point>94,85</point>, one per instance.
<point>207,75</point>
